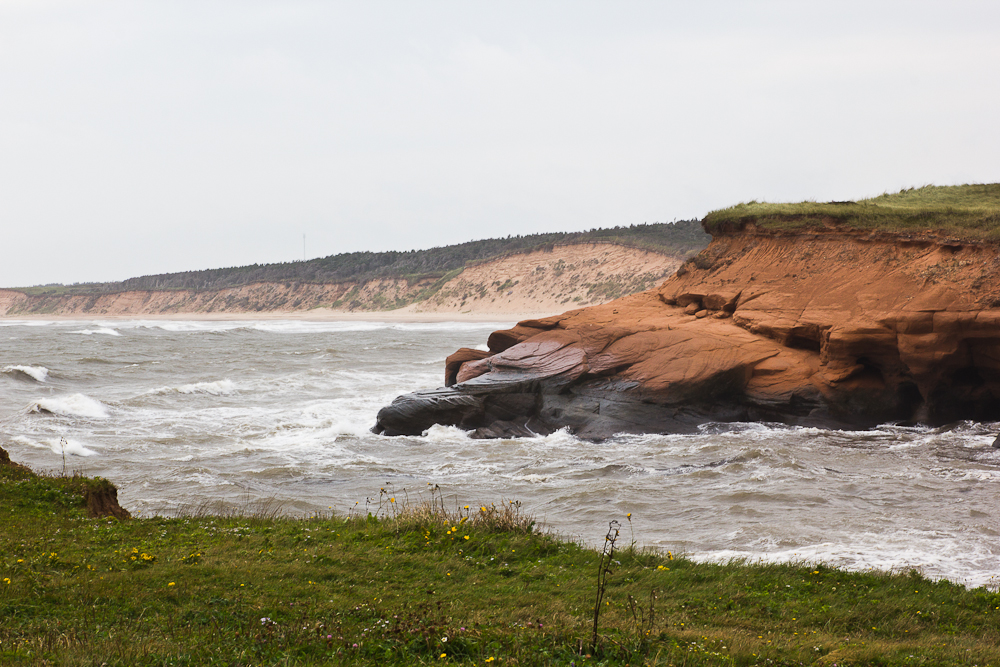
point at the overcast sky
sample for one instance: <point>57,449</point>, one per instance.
<point>150,137</point>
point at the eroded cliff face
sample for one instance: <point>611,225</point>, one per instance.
<point>247,299</point>
<point>530,282</point>
<point>833,328</point>
<point>98,495</point>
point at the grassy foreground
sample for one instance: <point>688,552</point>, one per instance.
<point>424,585</point>
<point>969,212</point>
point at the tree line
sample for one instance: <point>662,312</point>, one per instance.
<point>677,238</point>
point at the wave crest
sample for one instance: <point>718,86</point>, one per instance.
<point>58,446</point>
<point>217,388</point>
<point>37,373</point>
<point>73,405</point>
<point>107,331</point>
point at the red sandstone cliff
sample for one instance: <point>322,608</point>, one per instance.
<point>839,328</point>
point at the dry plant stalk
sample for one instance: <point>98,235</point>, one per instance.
<point>603,572</point>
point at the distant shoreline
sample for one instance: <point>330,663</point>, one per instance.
<point>314,315</point>
<point>519,286</point>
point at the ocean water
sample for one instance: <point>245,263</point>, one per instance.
<point>186,416</point>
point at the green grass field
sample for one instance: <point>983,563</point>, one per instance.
<point>968,212</point>
<point>417,583</point>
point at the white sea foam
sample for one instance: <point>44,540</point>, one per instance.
<point>292,327</point>
<point>305,327</point>
<point>561,438</point>
<point>217,388</point>
<point>25,323</point>
<point>345,427</point>
<point>186,326</point>
<point>106,331</point>
<point>441,434</point>
<point>72,405</point>
<point>59,446</point>
<point>451,326</point>
<point>39,373</point>
<point>933,555</point>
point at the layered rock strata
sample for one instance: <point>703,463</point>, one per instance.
<point>827,328</point>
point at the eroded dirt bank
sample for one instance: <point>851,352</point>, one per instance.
<point>99,495</point>
<point>540,281</point>
<point>831,328</point>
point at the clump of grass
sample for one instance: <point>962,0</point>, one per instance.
<point>253,510</point>
<point>966,212</point>
<point>429,509</point>
<point>412,583</point>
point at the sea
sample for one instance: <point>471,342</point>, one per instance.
<point>189,417</point>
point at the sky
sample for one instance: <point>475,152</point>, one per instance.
<point>149,137</point>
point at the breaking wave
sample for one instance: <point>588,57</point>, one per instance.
<point>217,388</point>
<point>58,446</point>
<point>106,331</point>
<point>73,405</point>
<point>37,373</point>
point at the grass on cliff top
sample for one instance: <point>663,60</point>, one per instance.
<point>421,584</point>
<point>969,212</point>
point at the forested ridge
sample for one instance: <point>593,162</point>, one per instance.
<point>677,238</point>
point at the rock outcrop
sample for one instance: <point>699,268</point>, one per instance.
<point>834,328</point>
